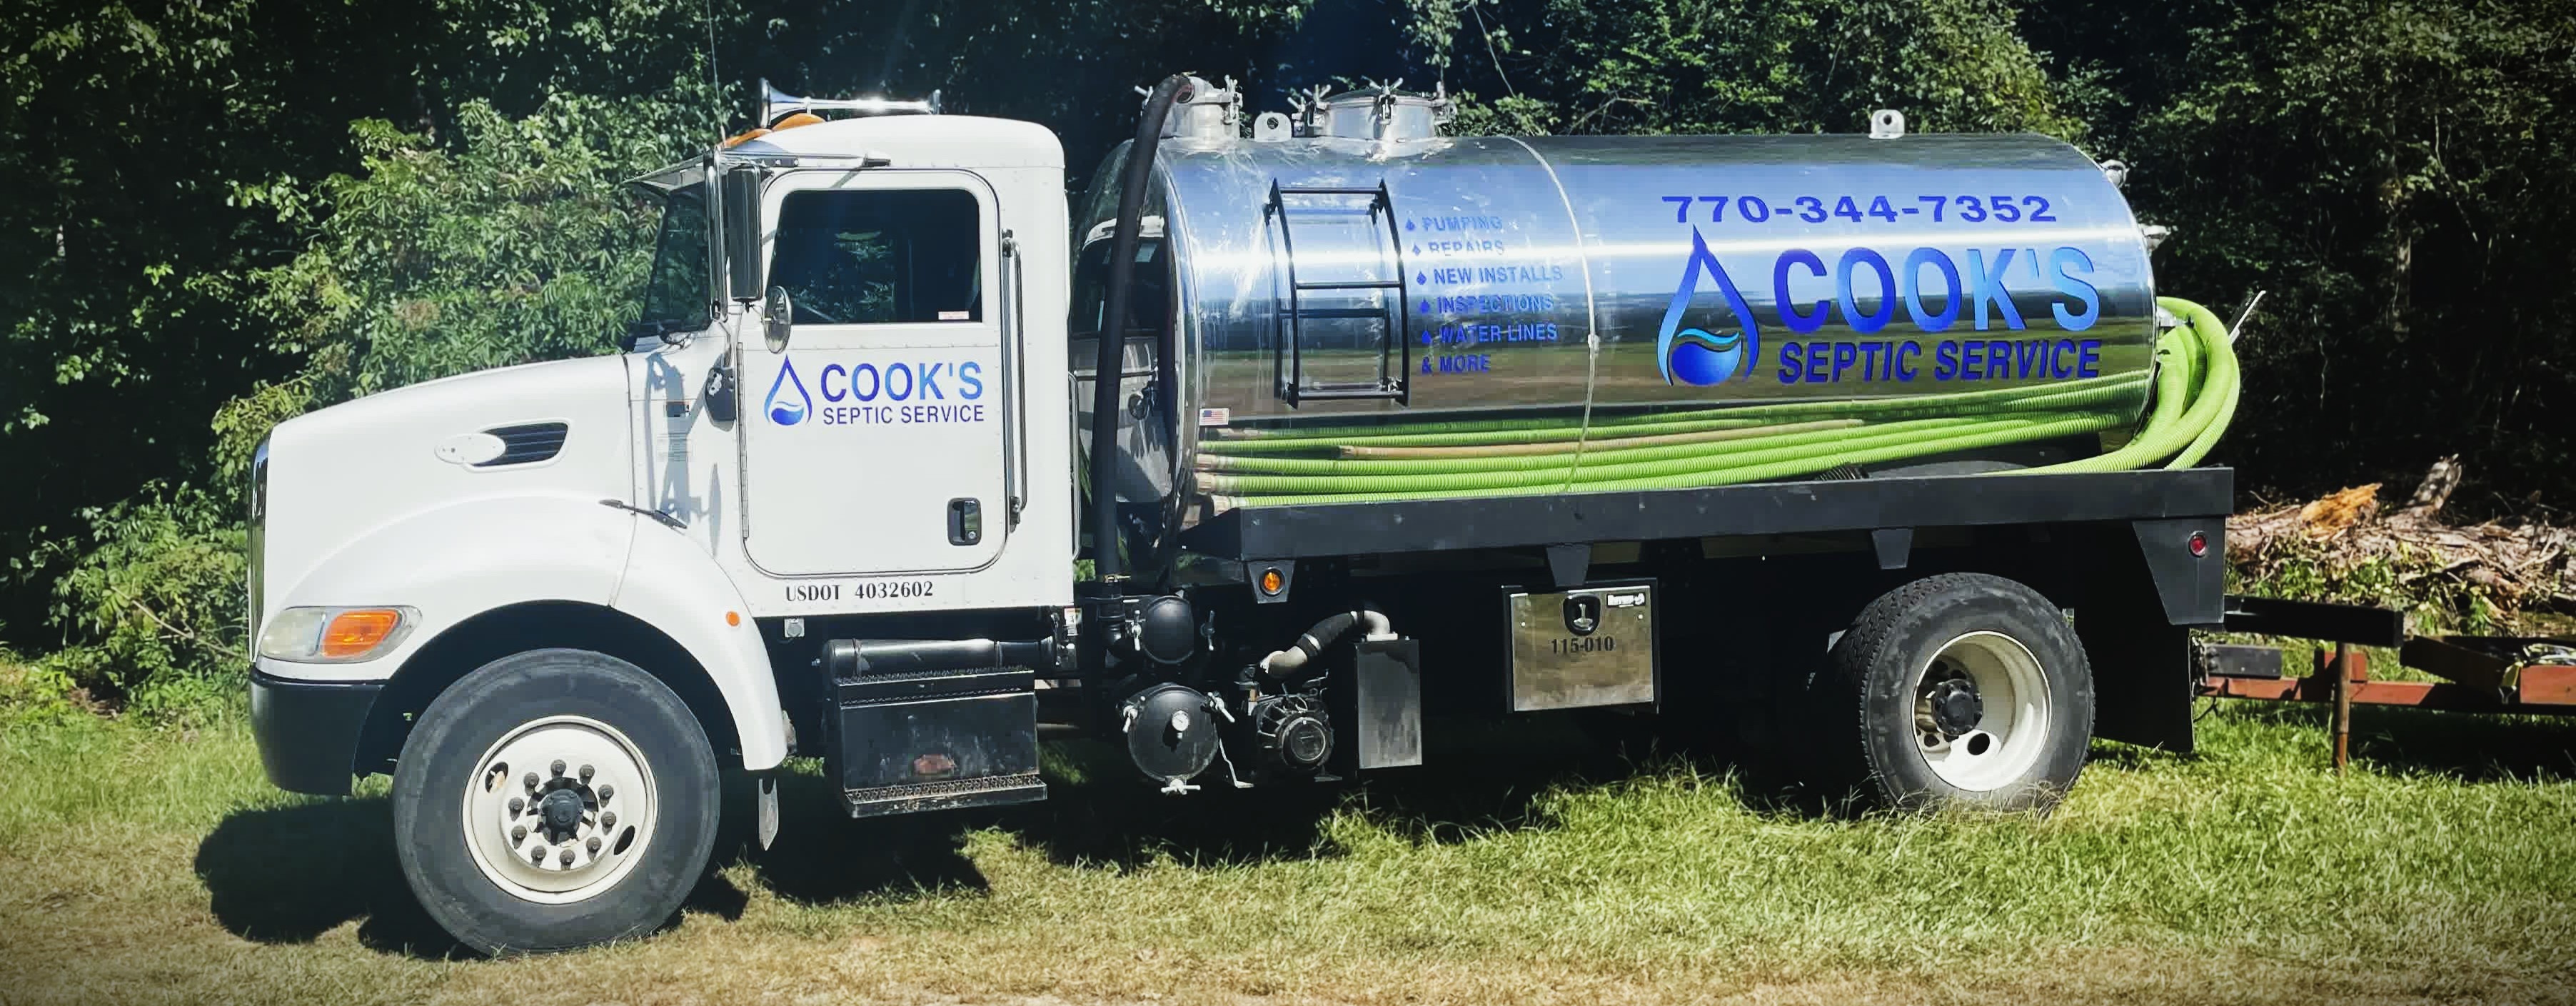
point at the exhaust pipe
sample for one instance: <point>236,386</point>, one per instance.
<point>1286,663</point>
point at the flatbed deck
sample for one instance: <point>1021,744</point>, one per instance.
<point>1867,504</point>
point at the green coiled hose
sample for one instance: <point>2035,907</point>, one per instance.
<point>2196,389</point>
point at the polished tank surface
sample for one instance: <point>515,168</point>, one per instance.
<point>1323,279</point>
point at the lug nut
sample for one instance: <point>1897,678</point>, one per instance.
<point>558,768</point>
<point>531,780</point>
<point>518,834</point>
<point>607,791</point>
<point>585,773</point>
<point>517,805</point>
<point>593,845</point>
<point>566,858</point>
<point>608,821</point>
<point>537,857</point>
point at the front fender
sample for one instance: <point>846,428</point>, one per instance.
<point>456,562</point>
<point>673,585</point>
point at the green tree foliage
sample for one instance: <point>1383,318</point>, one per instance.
<point>517,247</point>
<point>157,158</point>
<point>223,214</point>
<point>1739,66</point>
<point>2392,173</point>
<point>154,601</point>
<point>121,286</point>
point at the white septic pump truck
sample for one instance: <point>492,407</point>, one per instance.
<point>1297,436</point>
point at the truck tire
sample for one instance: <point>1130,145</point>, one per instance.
<point>554,799</point>
<point>1966,690</point>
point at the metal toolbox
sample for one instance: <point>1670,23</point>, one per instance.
<point>1575,649</point>
<point>935,738</point>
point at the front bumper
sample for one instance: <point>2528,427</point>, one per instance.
<point>308,730</point>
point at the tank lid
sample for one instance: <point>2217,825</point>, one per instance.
<point>1375,112</point>
<point>1209,113</point>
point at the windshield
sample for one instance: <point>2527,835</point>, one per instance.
<point>676,294</point>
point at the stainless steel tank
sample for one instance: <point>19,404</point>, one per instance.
<point>1383,272</point>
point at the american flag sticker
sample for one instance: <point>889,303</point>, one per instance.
<point>1215,417</point>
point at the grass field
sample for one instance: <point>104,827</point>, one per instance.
<point>156,866</point>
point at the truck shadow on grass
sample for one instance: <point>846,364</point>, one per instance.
<point>1101,813</point>
<point>288,874</point>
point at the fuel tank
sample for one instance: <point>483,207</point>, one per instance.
<point>1363,270</point>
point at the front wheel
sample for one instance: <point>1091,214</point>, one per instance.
<point>554,799</point>
<point>1967,690</point>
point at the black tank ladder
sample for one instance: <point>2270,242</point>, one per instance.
<point>1288,359</point>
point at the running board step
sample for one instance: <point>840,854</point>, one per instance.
<point>993,791</point>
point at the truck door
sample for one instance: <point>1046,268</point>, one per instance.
<point>876,442</point>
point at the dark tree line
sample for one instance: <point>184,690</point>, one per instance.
<point>225,212</point>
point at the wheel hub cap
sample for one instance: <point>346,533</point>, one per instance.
<point>1981,711</point>
<point>563,814</point>
<point>1956,707</point>
<point>559,809</point>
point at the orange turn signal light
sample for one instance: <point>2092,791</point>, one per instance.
<point>358,630</point>
<point>1271,580</point>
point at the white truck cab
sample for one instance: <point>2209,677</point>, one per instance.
<point>605,509</point>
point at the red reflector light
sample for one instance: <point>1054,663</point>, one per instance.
<point>2199,544</point>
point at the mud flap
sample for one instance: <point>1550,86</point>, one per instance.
<point>768,810</point>
<point>2135,620</point>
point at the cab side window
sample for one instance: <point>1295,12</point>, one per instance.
<point>1149,301</point>
<point>881,257</point>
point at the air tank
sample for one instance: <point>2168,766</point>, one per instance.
<point>1349,268</point>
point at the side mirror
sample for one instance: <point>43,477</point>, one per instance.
<point>742,231</point>
<point>781,315</point>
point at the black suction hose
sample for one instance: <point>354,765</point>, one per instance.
<point>1113,325</point>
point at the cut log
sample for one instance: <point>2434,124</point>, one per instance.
<point>2435,490</point>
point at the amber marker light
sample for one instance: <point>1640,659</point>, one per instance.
<point>331,635</point>
<point>1271,580</point>
<point>353,632</point>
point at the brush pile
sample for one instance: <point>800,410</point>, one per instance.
<point>2347,544</point>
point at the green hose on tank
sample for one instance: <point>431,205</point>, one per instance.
<point>2196,387</point>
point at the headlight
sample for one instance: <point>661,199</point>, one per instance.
<point>315,635</point>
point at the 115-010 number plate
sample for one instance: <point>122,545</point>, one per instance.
<point>1574,649</point>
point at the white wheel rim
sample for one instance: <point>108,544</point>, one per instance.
<point>535,849</point>
<point>2011,728</point>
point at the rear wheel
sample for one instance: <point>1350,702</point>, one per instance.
<point>554,799</point>
<point>1966,690</point>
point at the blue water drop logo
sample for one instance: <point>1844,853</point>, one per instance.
<point>784,409</point>
<point>1701,358</point>
<point>1697,356</point>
